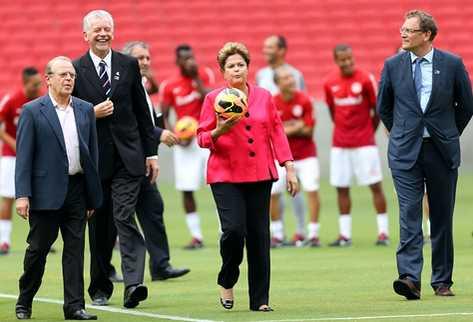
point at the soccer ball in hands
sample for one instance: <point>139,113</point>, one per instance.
<point>230,102</point>
<point>186,128</point>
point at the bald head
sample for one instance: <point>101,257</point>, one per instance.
<point>60,77</point>
<point>56,60</point>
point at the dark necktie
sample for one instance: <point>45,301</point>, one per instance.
<point>418,76</point>
<point>104,80</point>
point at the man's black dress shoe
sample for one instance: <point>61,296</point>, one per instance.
<point>170,272</point>
<point>100,299</point>
<point>134,295</point>
<point>80,315</point>
<point>22,312</point>
<point>406,288</point>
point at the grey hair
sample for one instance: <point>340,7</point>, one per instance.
<point>102,14</point>
<point>49,65</point>
<point>129,46</point>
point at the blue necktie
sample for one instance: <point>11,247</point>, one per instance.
<point>104,80</point>
<point>418,77</point>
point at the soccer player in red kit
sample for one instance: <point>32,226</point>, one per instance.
<point>296,112</point>
<point>10,108</point>
<point>185,94</point>
<point>351,97</point>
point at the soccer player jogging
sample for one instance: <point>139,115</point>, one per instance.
<point>351,97</point>
<point>10,109</point>
<point>185,93</point>
<point>296,112</point>
<point>274,51</point>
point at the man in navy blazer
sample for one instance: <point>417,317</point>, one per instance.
<point>425,101</point>
<point>57,185</point>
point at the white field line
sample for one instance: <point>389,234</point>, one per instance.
<point>378,317</point>
<point>116,310</point>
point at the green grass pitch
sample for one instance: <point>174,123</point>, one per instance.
<point>306,283</point>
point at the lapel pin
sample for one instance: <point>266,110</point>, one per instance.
<point>436,72</point>
<point>117,76</point>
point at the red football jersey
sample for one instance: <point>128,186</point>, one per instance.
<point>351,100</point>
<point>10,109</point>
<point>182,95</point>
<point>299,108</point>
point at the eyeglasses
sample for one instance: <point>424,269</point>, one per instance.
<point>409,30</point>
<point>64,75</point>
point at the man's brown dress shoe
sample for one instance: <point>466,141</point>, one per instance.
<point>444,290</point>
<point>406,288</point>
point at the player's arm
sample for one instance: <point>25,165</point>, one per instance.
<point>329,101</point>
<point>309,119</point>
<point>165,102</point>
<point>7,138</point>
<point>371,91</point>
<point>6,113</point>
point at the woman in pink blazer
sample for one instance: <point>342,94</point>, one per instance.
<point>240,172</point>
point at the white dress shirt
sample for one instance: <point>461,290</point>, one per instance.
<point>69,131</point>
<point>108,61</point>
<point>426,90</point>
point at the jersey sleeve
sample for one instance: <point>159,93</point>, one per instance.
<point>5,107</point>
<point>166,97</point>
<point>308,116</point>
<point>329,97</point>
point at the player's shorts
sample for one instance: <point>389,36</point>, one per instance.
<point>190,163</point>
<point>364,163</point>
<point>308,174</point>
<point>7,176</point>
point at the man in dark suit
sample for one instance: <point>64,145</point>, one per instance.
<point>57,185</point>
<point>127,152</point>
<point>150,208</point>
<point>425,102</point>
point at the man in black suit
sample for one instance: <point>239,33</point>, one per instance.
<point>57,185</point>
<point>150,208</point>
<point>127,152</point>
<point>425,101</point>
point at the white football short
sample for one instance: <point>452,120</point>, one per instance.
<point>190,163</point>
<point>364,163</point>
<point>7,176</point>
<point>308,174</point>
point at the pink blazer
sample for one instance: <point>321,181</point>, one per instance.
<point>247,152</point>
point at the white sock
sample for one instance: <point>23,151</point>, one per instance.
<point>299,213</point>
<point>345,225</point>
<point>5,231</point>
<point>277,229</point>
<point>193,223</point>
<point>313,230</point>
<point>382,220</point>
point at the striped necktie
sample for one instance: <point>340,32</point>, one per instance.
<point>418,76</point>
<point>104,80</point>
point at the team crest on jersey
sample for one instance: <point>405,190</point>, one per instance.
<point>297,110</point>
<point>356,88</point>
<point>335,88</point>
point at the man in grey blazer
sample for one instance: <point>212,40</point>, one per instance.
<point>425,101</point>
<point>57,185</point>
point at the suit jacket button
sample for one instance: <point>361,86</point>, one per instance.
<point>252,154</point>
<point>248,127</point>
<point>247,114</point>
<point>250,140</point>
